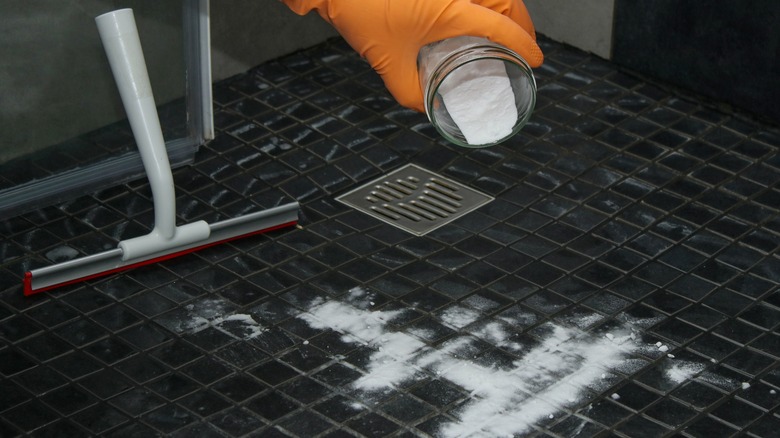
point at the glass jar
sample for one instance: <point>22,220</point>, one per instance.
<point>476,93</point>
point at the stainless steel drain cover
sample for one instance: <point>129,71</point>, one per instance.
<point>415,199</point>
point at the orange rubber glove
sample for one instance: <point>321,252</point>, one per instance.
<point>390,33</point>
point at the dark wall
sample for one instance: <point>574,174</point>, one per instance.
<point>55,82</point>
<point>724,49</point>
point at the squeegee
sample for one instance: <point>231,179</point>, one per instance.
<point>166,240</point>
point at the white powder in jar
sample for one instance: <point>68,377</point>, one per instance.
<point>480,100</point>
<point>477,95</point>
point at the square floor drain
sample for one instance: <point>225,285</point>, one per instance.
<point>415,199</point>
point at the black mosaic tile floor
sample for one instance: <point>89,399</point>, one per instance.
<point>624,282</point>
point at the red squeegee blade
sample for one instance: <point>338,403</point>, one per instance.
<point>28,276</point>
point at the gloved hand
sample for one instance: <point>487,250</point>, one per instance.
<point>390,33</point>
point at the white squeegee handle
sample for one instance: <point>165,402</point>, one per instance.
<point>119,35</point>
<point>123,48</point>
<point>120,38</point>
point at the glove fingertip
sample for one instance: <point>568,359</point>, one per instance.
<point>524,44</point>
<point>536,57</point>
<point>406,92</point>
<point>476,20</point>
<point>409,99</point>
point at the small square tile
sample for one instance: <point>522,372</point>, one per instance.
<point>338,408</point>
<point>237,421</point>
<point>204,403</point>
<point>406,408</point>
<point>737,413</point>
<point>137,401</point>
<point>75,364</point>
<point>304,390</point>
<point>607,413</point>
<point>372,424</point>
<point>173,386</point>
<point>176,354</point>
<point>169,418</point>
<point>438,393</point>
<point>100,418</point>
<point>671,413</point>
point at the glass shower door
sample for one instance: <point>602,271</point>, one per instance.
<point>63,130</point>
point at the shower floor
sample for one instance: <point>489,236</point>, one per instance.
<point>622,282</point>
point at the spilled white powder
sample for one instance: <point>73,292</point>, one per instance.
<point>681,371</point>
<point>548,378</point>
<point>493,332</point>
<point>61,254</point>
<point>241,326</point>
<point>551,377</point>
<point>639,321</point>
<point>458,316</point>
<point>724,382</point>
<point>210,307</point>
<point>251,328</point>
<point>585,321</point>
<point>215,313</point>
<point>480,101</point>
<point>388,365</point>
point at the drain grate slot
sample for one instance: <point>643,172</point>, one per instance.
<point>415,199</point>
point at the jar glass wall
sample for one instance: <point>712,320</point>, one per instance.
<point>476,93</point>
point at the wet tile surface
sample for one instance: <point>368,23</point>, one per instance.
<point>624,281</point>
